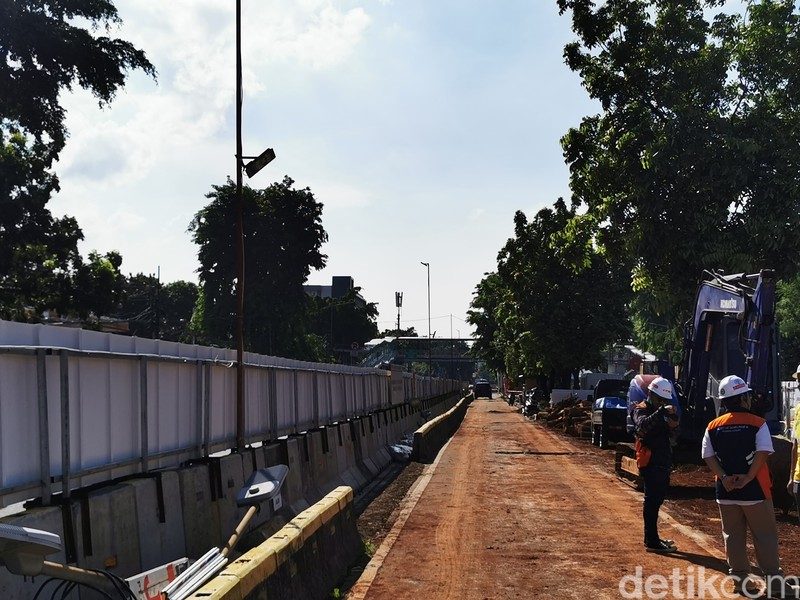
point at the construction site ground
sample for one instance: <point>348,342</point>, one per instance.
<point>514,509</point>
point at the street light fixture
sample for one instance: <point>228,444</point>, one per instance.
<point>428,266</point>
<point>252,168</point>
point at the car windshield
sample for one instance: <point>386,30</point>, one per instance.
<point>614,402</point>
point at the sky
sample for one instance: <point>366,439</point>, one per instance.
<point>421,126</point>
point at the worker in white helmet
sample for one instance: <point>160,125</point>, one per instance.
<point>655,419</point>
<point>736,446</point>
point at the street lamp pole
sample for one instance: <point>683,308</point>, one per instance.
<point>428,267</point>
<point>255,164</point>
<point>240,425</point>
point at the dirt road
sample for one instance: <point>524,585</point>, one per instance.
<point>511,509</point>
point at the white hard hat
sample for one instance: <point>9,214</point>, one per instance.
<point>731,386</point>
<point>661,387</point>
<point>796,373</point>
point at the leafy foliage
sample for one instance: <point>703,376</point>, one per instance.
<point>283,234</point>
<point>693,162</point>
<point>157,310</point>
<point>407,332</point>
<point>46,51</point>
<point>788,315</point>
<point>98,285</point>
<point>341,322</point>
<point>540,316</point>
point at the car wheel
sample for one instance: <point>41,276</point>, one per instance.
<point>601,438</point>
<point>594,435</point>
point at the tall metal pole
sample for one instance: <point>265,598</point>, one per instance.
<point>239,241</point>
<point>398,300</point>
<point>430,342</point>
<point>452,346</point>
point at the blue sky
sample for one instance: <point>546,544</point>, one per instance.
<point>421,125</point>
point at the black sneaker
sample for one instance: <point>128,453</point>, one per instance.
<point>668,542</point>
<point>660,547</point>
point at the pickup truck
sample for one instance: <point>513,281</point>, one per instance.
<point>610,412</point>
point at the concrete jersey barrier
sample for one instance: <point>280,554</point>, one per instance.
<point>429,438</point>
<point>305,559</point>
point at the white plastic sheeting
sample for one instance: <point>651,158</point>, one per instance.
<point>80,406</point>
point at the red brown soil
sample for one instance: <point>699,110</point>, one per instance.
<point>512,509</point>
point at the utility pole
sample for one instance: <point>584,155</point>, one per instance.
<point>240,424</point>
<point>251,168</point>
<point>398,301</point>
<point>430,341</point>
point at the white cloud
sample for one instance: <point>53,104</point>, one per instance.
<point>401,117</point>
<point>313,33</point>
<point>340,195</point>
<point>476,213</point>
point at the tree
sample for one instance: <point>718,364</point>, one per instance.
<point>179,299</point>
<point>343,322</point>
<point>542,315</point>
<point>282,239</point>
<point>787,312</point>
<point>98,285</point>
<point>156,310</point>
<point>692,164</point>
<point>45,51</point>
<point>407,332</point>
<point>38,253</point>
<point>485,315</point>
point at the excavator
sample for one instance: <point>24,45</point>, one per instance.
<point>733,331</point>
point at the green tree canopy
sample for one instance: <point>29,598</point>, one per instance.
<point>693,162</point>
<point>38,253</point>
<point>402,332</point>
<point>157,310</point>
<point>540,314</point>
<point>283,235</point>
<point>98,285</point>
<point>787,312</point>
<point>343,322</point>
<point>48,47</point>
<point>486,314</point>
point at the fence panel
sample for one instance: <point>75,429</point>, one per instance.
<point>19,425</point>
<point>79,407</point>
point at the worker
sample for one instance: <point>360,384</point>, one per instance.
<point>794,470</point>
<point>655,420</point>
<point>736,446</point>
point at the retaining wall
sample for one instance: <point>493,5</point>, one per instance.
<point>429,438</point>
<point>305,559</point>
<point>310,555</point>
<point>132,525</point>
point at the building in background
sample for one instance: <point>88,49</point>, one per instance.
<point>341,285</point>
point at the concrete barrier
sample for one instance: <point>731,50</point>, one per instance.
<point>305,559</point>
<point>429,438</point>
<point>134,524</point>
<point>158,517</point>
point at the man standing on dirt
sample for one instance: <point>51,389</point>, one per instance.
<point>654,420</point>
<point>736,446</point>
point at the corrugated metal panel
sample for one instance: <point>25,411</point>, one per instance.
<point>136,404</point>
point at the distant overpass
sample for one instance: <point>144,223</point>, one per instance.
<point>449,357</point>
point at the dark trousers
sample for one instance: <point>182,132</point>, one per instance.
<point>656,484</point>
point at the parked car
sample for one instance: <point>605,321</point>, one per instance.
<point>482,389</point>
<point>610,413</point>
